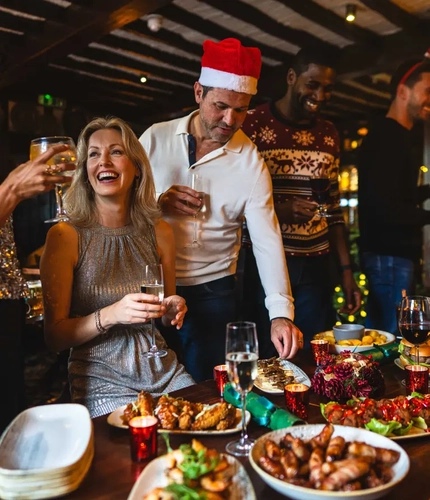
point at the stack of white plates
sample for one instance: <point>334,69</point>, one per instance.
<point>45,452</point>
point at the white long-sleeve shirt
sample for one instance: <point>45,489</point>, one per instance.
<point>237,186</point>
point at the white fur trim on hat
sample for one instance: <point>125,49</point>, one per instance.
<point>220,79</point>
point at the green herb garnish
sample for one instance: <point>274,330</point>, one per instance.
<point>196,464</point>
<point>182,492</point>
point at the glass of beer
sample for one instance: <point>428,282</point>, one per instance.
<point>39,146</point>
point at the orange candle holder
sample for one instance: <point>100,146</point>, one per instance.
<point>320,350</point>
<point>143,438</point>
<point>297,399</point>
<point>417,379</point>
<point>221,377</point>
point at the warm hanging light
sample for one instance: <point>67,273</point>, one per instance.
<point>143,79</point>
<point>351,10</point>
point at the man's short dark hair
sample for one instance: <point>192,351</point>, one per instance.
<point>418,66</point>
<point>319,54</point>
<point>206,90</point>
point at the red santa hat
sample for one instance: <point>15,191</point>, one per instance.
<point>229,65</point>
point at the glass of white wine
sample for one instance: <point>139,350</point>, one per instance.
<point>153,283</point>
<point>197,183</point>
<point>39,146</point>
<point>241,353</point>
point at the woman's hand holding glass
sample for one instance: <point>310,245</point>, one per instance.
<point>134,308</point>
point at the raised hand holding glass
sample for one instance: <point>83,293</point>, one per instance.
<point>42,144</point>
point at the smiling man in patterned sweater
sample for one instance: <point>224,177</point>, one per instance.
<point>297,144</point>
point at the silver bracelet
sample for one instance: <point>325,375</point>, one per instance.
<point>99,326</point>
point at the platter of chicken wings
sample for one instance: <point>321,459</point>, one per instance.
<point>179,416</point>
<point>326,462</point>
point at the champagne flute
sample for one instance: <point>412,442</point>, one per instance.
<point>39,146</point>
<point>196,183</point>
<point>241,351</point>
<point>320,187</point>
<point>153,283</point>
<point>414,321</point>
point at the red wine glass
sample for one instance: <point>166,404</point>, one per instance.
<point>414,321</point>
<point>320,187</point>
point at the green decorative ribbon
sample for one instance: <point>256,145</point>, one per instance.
<point>263,411</point>
<point>383,353</point>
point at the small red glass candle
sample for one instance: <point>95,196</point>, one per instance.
<point>143,438</point>
<point>297,399</point>
<point>417,379</point>
<point>221,377</point>
<point>320,350</point>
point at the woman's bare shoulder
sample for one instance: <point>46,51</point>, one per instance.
<point>62,232</point>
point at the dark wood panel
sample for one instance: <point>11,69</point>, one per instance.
<point>395,14</point>
<point>74,35</point>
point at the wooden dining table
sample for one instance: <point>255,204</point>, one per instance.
<point>112,473</point>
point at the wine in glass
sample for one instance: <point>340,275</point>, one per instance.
<point>153,283</point>
<point>320,187</point>
<point>414,321</point>
<point>197,183</point>
<point>241,351</point>
<point>39,146</point>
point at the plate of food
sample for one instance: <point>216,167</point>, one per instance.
<point>275,373</point>
<point>326,461</point>
<point>193,469</point>
<point>370,338</point>
<point>402,417</point>
<point>179,416</point>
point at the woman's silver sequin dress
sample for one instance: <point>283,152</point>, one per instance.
<point>109,371</point>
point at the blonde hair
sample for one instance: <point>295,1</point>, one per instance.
<point>79,199</point>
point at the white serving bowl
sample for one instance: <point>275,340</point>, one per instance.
<point>336,348</point>
<point>307,432</point>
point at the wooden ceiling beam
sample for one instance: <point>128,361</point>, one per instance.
<point>166,36</point>
<point>330,20</point>
<point>395,14</point>
<point>213,30</point>
<point>132,81</point>
<point>19,23</point>
<point>143,49</point>
<point>38,8</point>
<point>74,35</point>
<point>145,67</point>
<point>266,23</point>
<point>361,94</point>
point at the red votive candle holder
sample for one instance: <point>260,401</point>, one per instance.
<point>417,379</point>
<point>320,350</point>
<point>221,377</point>
<point>297,399</point>
<point>143,438</point>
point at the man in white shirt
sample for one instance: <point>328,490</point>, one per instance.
<point>237,185</point>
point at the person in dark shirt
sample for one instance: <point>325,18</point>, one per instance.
<point>295,142</point>
<point>390,217</point>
